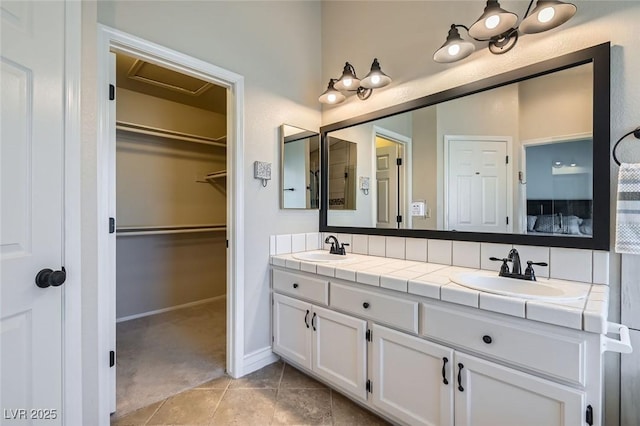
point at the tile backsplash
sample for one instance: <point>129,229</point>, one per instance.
<point>564,263</point>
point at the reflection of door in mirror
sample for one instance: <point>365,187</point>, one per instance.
<point>557,187</point>
<point>389,183</point>
<point>476,189</point>
<point>300,168</point>
<point>342,174</point>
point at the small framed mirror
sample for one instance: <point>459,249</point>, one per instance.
<point>300,168</point>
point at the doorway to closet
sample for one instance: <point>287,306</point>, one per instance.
<point>171,245</point>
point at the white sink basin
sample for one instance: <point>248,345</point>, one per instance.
<point>544,289</point>
<point>321,256</point>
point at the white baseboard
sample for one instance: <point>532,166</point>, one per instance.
<point>171,308</point>
<point>258,359</point>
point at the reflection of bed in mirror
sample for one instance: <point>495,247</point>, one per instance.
<point>571,218</point>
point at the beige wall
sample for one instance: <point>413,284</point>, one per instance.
<point>559,104</point>
<point>157,185</point>
<point>425,164</point>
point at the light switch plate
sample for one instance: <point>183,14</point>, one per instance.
<point>262,170</point>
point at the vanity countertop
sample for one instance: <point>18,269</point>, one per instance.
<point>431,280</point>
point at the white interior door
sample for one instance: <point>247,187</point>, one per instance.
<point>31,196</point>
<point>387,186</point>
<point>477,197</point>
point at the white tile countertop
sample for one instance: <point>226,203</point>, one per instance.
<point>431,280</point>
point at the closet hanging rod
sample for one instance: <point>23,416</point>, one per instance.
<point>131,231</point>
<point>155,131</point>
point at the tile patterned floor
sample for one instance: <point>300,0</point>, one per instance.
<point>275,395</point>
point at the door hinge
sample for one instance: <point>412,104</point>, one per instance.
<point>369,386</point>
<point>399,219</point>
<point>112,92</point>
<point>369,336</point>
<point>589,415</point>
<point>506,161</point>
<point>398,161</point>
<point>273,338</point>
<point>112,225</point>
<point>112,358</point>
<point>507,220</point>
<point>227,243</point>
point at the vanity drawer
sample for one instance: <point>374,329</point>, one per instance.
<point>533,346</point>
<point>298,285</point>
<point>389,310</point>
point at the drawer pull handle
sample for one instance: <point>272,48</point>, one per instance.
<point>365,305</point>
<point>460,366</point>
<point>487,339</point>
<point>306,317</point>
<point>444,372</point>
<point>313,324</point>
<point>295,285</point>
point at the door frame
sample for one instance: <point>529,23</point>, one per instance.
<point>522,179</point>
<point>112,40</point>
<point>72,394</point>
<point>407,194</point>
<point>445,177</point>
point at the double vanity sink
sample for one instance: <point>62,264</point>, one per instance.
<point>429,344</point>
<point>487,281</point>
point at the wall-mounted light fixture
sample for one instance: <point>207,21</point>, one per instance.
<point>498,27</point>
<point>349,82</point>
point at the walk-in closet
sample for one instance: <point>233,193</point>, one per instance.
<point>171,198</point>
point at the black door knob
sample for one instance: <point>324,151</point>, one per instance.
<point>50,278</point>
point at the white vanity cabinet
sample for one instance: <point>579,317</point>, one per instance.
<point>488,394</point>
<point>434,363</point>
<point>330,344</point>
<point>411,378</point>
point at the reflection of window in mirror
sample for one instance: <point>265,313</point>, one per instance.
<point>559,187</point>
<point>342,174</point>
<point>300,168</point>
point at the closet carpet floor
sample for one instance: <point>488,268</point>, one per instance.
<point>278,394</point>
<point>162,355</point>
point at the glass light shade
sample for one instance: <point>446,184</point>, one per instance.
<point>348,81</point>
<point>454,49</point>
<point>376,78</point>
<point>493,22</point>
<point>547,15</point>
<point>331,95</point>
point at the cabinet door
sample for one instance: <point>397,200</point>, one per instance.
<point>339,350</point>
<point>411,379</point>
<point>495,395</point>
<point>292,329</point>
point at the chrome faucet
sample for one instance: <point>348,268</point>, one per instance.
<point>516,269</point>
<point>336,247</point>
<point>514,257</point>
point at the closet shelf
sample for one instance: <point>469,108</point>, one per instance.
<point>131,231</point>
<point>213,177</point>
<point>155,131</point>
